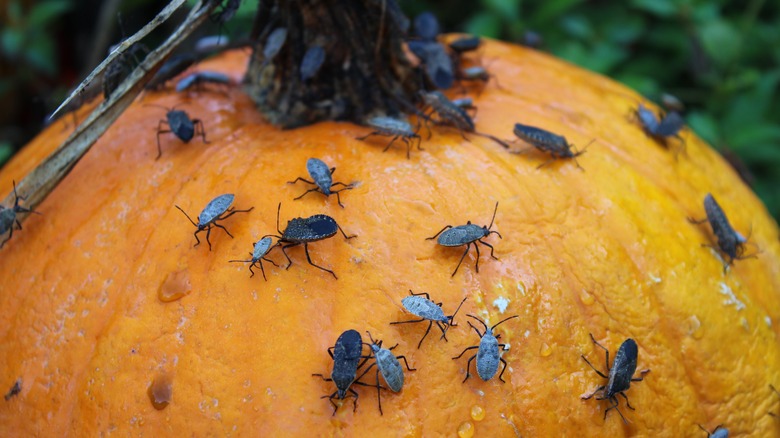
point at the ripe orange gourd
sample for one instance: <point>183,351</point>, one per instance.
<point>104,293</point>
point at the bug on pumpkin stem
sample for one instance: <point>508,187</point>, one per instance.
<point>8,216</point>
<point>488,351</point>
<point>620,375</point>
<point>392,127</point>
<point>428,311</point>
<point>545,141</point>
<point>214,211</point>
<point>388,365</point>
<point>469,234</point>
<point>179,124</point>
<point>302,231</point>
<point>311,62</point>
<point>260,249</point>
<point>730,242</point>
<point>322,178</point>
<point>346,355</point>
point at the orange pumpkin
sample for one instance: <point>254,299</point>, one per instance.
<point>104,294</point>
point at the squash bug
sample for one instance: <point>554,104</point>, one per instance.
<point>392,127</point>
<point>214,211</point>
<point>180,124</point>
<point>8,216</point>
<point>302,231</point>
<point>438,65</point>
<point>426,26</point>
<point>261,248</point>
<point>428,311</point>
<point>311,62</point>
<point>668,126</point>
<point>465,44</point>
<point>488,351</point>
<point>449,113</point>
<point>719,432</point>
<point>467,235</point>
<point>477,73</point>
<point>322,180</point>
<point>620,375</point>
<point>466,104</point>
<point>388,365</point>
<point>15,390</point>
<point>274,44</point>
<point>552,144</point>
<point>202,77</point>
<point>346,355</point>
<point>730,242</point>
<point>172,68</point>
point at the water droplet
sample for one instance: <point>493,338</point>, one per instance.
<point>546,350</point>
<point>586,298</point>
<point>694,327</point>
<point>477,413</point>
<point>161,390</point>
<point>176,285</point>
<point>466,430</point>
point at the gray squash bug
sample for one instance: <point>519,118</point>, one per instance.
<point>214,211</point>
<point>261,248</point>
<point>202,77</point>
<point>466,104</point>
<point>449,113</point>
<point>620,375</point>
<point>311,62</point>
<point>388,365</point>
<point>730,242</point>
<point>8,216</point>
<point>322,178</point>
<point>302,231</point>
<point>426,26</point>
<point>274,44</point>
<point>488,351</point>
<point>392,127</point>
<point>346,355</point>
<point>668,126</point>
<point>545,141</point>
<point>719,432</point>
<point>428,311</point>
<point>465,44</point>
<point>437,63</point>
<point>180,124</point>
<point>467,235</point>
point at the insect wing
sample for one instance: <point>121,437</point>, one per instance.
<point>623,367</point>
<point>216,207</point>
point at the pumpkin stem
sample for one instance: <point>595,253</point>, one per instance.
<point>364,72</point>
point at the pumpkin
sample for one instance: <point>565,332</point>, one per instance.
<point>105,301</point>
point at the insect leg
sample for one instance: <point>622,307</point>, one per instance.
<point>463,257</point>
<point>464,352</point>
<point>354,402</point>
<point>489,246</point>
<point>199,123</point>
<point>595,391</point>
<point>316,189</point>
<point>502,370</point>
<point>160,131</point>
<point>606,360</point>
<point>477,262</point>
<point>253,272</point>
<point>468,366</point>
<point>233,211</point>
<point>284,247</point>
<point>391,143</point>
<point>404,322</point>
<point>345,234</point>
<point>406,363</point>
<point>442,230</point>
<point>226,230</point>
<point>594,368</point>
<point>627,403</point>
<point>208,233</point>
<point>260,262</point>
<point>196,237</point>
<point>615,407</point>
<point>641,376</point>
<point>308,257</point>
<point>697,221</point>
<point>270,261</point>
<point>368,135</point>
<point>300,179</point>
<point>424,294</point>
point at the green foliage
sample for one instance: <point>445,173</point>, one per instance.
<point>24,38</point>
<point>721,58</point>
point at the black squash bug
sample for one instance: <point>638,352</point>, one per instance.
<point>202,77</point>
<point>719,432</point>
<point>488,351</point>
<point>545,141</point>
<point>214,211</point>
<point>302,231</point>
<point>730,242</point>
<point>647,119</point>
<point>620,375</point>
<point>346,355</point>
<point>438,65</point>
<point>465,44</point>
<point>322,177</point>
<point>392,127</point>
<point>388,365</point>
<point>15,390</point>
<point>426,26</point>
<point>261,248</point>
<point>311,62</point>
<point>668,126</point>
<point>428,311</point>
<point>449,113</point>
<point>8,216</point>
<point>180,124</point>
<point>477,73</point>
<point>467,235</point>
<point>274,44</point>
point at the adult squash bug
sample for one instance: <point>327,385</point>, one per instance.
<point>261,248</point>
<point>467,235</point>
<point>302,231</point>
<point>322,178</point>
<point>426,26</point>
<point>437,63</point>
<point>668,126</point>
<point>465,44</point>
<point>8,216</point>
<point>388,365</point>
<point>429,311</point>
<point>449,113</point>
<point>730,242</point>
<point>180,124</point>
<point>619,376</point>
<point>311,62</point>
<point>273,44</point>
<point>392,127</point>
<point>216,210</point>
<point>488,351</point>
<point>346,355</point>
<point>545,141</point>
<point>719,432</point>
<point>202,77</point>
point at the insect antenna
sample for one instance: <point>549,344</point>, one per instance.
<point>188,216</point>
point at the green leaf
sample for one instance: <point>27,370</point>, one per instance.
<point>705,126</point>
<point>749,136</point>
<point>659,8</point>
<point>550,10</point>
<point>720,40</point>
<point>11,41</point>
<point>577,26</point>
<point>484,23</point>
<point>6,151</point>
<point>506,9</point>
<point>45,12</point>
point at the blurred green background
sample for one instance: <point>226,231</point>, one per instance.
<point>720,58</point>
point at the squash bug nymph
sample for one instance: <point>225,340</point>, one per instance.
<point>261,248</point>
<point>214,211</point>
<point>180,124</point>
<point>388,365</point>
<point>619,376</point>
<point>668,126</point>
<point>202,77</point>
<point>730,242</point>
<point>346,355</point>
<point>467,235</point>
<point>322,177</point>
<point>545,141</point>
<point>422,306</point>
<point>488,351</point>
<point>302,231</point>
<point>396,128</point>
<point>8,216</point>
<point>719,432</point>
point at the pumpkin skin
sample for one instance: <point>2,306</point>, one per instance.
<point>607,250</point>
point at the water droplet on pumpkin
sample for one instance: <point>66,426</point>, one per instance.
<point>545,350</point>
<point>176,285</point>
<point>466,430</point>
<point>586,298</point>
<point>477,413</point>
<point>161,390</point>
<point>694,327</point>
